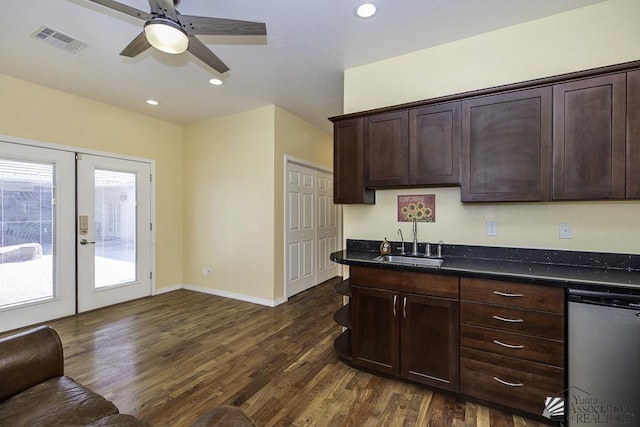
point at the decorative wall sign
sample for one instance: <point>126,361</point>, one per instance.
<point>422,207</point>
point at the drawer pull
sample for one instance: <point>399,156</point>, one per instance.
<point>507,294</point>
<point>504,319</point>
<point>508,345</point>
<point>508,383</point>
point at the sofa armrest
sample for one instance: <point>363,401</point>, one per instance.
<point>29,358</point>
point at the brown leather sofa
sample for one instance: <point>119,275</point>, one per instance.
<point>35,392</point>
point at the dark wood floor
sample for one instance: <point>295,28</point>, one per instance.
<point>171,358</point>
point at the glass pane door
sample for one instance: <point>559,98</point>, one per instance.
<point>26,251</point>
<point>37,264</point>
<point>114,236</point>
<point>115,227</point>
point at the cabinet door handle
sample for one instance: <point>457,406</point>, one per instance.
<point>506,294</point>
<point>510,384</point>
<point>504,319</point>
<point>508,345</point>
<point>404,307</point>
<point>395,300</point>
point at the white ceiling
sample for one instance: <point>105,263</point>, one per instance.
<point>299,66</point>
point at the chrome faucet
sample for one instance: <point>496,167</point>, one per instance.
<point>402,250</point>
<point>414,250</point>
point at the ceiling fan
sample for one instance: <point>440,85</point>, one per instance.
<point>168,30</point>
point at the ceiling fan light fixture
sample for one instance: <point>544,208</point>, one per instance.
<point>166,35</point>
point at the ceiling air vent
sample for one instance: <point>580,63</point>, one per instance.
<point>58,39</point>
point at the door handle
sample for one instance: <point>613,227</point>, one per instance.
<point>404,307</point>
<point>86,242</point>
<point>395,300</point>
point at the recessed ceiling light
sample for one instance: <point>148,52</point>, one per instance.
<point>366,10</point>
<point>152,102</point>
<point>216,82</point>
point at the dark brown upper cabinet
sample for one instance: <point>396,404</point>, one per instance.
<point>386,149</point>
<point>633,135</point>
<point>348,163</point>
<point>434,145</point>
<point>506,146</point>
<point>589,138</point>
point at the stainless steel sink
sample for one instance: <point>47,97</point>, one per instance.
<point>410,260</point>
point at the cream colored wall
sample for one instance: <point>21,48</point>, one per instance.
<point>603,34</point>
<point>38,113</point>
<point>229,203</point>
<point>219,183</point>
<point>235,224</point>
<point>297,138</point>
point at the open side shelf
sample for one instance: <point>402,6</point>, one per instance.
<point>342,344</point>
<point>344,287</point>
<point>343,316</point>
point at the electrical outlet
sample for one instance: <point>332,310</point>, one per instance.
<point>492,228</point>
<point>206,270</point>
<point>564,231</point>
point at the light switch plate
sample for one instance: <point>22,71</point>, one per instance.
<point>564,231</point>
<point>492,228</point>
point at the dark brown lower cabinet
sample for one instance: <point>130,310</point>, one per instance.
<point>429,340</point>
<point>375,327</point>
<point>489,340</point>
<point>509,381</point>
<point>512,343</point>
<point>406,334</point>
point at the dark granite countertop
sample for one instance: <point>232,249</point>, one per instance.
<point>580,270</point>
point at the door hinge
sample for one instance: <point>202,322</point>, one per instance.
<point>150,275</point>
<point>150,178</point>
<point>151,226</point>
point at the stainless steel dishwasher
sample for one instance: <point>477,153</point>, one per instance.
<point>604,359</point>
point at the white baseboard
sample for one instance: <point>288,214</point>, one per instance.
<point>219,293</point>
<point>232,295</point>
<point>166,289</point>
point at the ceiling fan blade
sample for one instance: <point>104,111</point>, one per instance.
<point>202,52</point>
<point>136,47</point>
<point>201,25</point>
<point>128,10</point>
<point>163,8</point>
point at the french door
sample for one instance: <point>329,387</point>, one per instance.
<point>37,255</point>
<point>114,229</point>
<point>74,234</point>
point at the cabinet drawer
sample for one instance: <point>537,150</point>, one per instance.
<point>511,382</point>
<point>534,297</point>
<point>513,345</point>
<point>406,281</point>
<point>541,324</point>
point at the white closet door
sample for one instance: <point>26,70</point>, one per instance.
<point>328,215</point>
<point>301,229</point>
